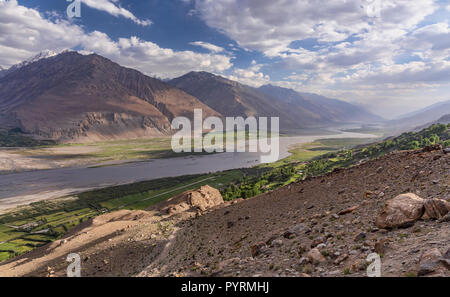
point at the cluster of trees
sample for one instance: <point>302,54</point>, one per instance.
<point>251,186</point>
<point>436,134</point>
<point>16,138</point>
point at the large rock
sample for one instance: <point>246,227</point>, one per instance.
<point>201,199</point>
<point>402,211</point>
<point>315,257</point>
<point>431,148</point>
<point>429,262</point>
<point>436,208</point>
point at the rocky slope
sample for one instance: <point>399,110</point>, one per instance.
<point>74,97</point>
<point>323,226</point>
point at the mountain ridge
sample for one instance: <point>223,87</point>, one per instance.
<point>90,98</point>
<point>421,117</point>
<point>334,110</point>
<point>235,99</point>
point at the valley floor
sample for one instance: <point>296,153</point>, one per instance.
<point>13,160</point>
<point>268,235</point>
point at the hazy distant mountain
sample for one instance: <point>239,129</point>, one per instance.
<point>422,117</point>
<point>442,120</point>
<point>74,97</point>
<point>231,98</point>
<point>320,107</point>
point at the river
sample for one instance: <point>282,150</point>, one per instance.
<point>26,187</point>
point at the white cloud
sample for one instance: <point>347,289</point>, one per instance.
<point>354,55</point>
<point>24,32</point>
<point>250,77</point>
<point>211,47</point>
<point>110,7</point>
<point>250,24</point>
<point>434,38</point>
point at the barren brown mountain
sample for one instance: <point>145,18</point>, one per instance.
<point>74,97</point>
<point>233,99</point>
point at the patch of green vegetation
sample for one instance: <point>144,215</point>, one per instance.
<point>17,138</point>
<point>367,130</point>
<point>339,143</point>
<point>297,167</point>
<point>4,256</point>
<point>435,134</point>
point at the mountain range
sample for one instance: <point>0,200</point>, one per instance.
<point>74,97</point>
<point>70,97</point>
<point>421,117</point>
<point>294,109</point>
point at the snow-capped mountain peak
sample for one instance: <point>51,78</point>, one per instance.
<point>42,55</point>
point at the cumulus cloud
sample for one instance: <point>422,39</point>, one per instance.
<point>211,47</point>
<point>250,24</point>
<point>24,32</point>
<point>361,53</point>
<point>112,7</point>
<point>435,37</point>
<point>251,77</point>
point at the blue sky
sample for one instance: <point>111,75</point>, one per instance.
<point>391,56</point>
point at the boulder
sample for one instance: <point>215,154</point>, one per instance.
<point>429,262</point>
<point>257,249</point>
<point>201,199</point>
<point>348,210</point>
<point>380,247</point>
<point>315,257</point>
<point>436,208</point>
<point>431,148</point>
<point>299,228</point>
<point>446,218</point>
<point>401,211</point>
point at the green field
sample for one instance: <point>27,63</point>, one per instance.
<point>54,218</point>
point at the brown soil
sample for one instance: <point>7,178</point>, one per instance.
<point>269,235</point>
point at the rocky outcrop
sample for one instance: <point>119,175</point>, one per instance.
<point>100,126</point>
<point>433,263</point>
<point>436,208</point>
<point>405,209</point>
<point>202,199</point>
<point>315,257</point>
<point>402,211</point>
